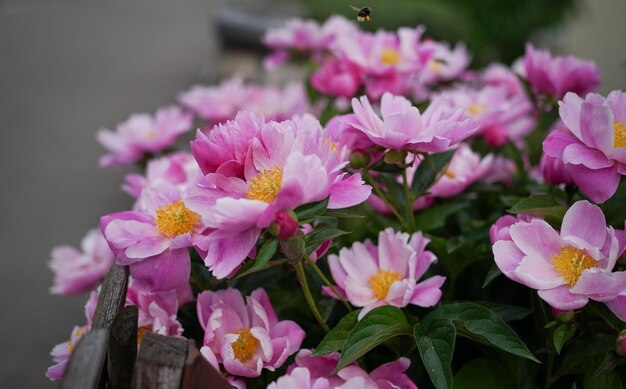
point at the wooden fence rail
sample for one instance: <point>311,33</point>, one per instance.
<point>107,355</point>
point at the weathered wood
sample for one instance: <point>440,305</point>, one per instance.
<point>122,348</point>
<point>199,373</point>
<point>160,362</point>
<point>84,368</point>
<point>112,297</point>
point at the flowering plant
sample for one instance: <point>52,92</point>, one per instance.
<point>388,230</point>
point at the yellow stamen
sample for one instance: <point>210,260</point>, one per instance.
<point>619,134</point>
<point>141,331</point>
<point>450,174</point>
<point>78,333</point>
<point>175,219</point>
<point>266,185</point>
<point>476,109</point>
<point>245,346</point>
<point>390,57</point>
<point>382,281</point>
<point>570,262</point>
<point>436,65</point>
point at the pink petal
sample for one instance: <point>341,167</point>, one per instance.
<point>585,221</point>
<point>393,251</point>
<point>561,298</point>
<point>536,239</point>
<point>428,292</point>
<point>538,274</point>
<point>599,185</point>
<point>163,272</point>
<point>507,257</point>
<point>348,192</point>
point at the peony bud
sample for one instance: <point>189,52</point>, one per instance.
<point>563,316</point>
<point>359,159</point>
<point>393,157</point>
<point>285,224</point>
<point>553,170</point>
<point>294,247</point>
<point>620,346</point>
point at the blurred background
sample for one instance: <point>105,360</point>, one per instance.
<point>69,67</point>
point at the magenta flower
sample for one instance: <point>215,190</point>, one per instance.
<point>276,103</point>
<point>287,164</point>
<point>337,78</point>
<point>154,239</point>
<point>179,169</point>
<point>387,274</point>
<point>594,149</point>
<point>245,337</point>
<point>568,267</point>
<point>77,271</point>
<point>441,126</point>
<point>444,63</point>
<point>316,372</point>
<point>61,353</point>
<point>500,229</point>
<point>555,76</point>
<point>142,134</point>
<point>502,76</point>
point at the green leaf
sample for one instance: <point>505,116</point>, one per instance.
<point>605,381</point>
<point>562,334</point>
<point>317,237</point>
<point>435,342</point>
<point>336,338</point>
<point>309,211</point>
<point>435,217</point>
<point>265,254</point>
<point>506,312</point>
<point>483,373</point>
<point>543,205</point>
<point>586,356</point>
<point>484,326</point>
<point>345,213</point>
<point>429,169</point>
<point>377,326</point>
<point>494,272</point>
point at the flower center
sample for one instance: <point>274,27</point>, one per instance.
<point>175,219</point>
<point>570,262</point>
<point>245,346</point>
<point>619,134</point>
<point>436,65</point>
<point>475,109</point>
<point>450,174</point>
<point>390,57</point>
<point>266,185</point>
<point>78,333</point>
<point>382,281</point>
<point>141,331</point>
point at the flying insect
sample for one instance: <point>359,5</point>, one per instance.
<point>364,14</point>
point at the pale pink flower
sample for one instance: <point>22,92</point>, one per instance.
<point>61,353</point>
<point>245,336</point>
<point>387,274</point>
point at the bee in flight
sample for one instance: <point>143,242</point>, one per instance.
<point>363,14</point>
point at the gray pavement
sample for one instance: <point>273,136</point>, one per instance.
<point>66,70</point>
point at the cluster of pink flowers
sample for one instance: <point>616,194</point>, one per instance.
<point>217,104</point>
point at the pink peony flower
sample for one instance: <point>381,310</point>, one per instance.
<point>154,239</point>
<point>387,274</point>
<point>275,103</point>
<point>316,372</point>
<point>441,126</point>
<point>77,271</point>
<point>594,151</point>
<point>499,75</point>
<point>287,164</point>
<point>245,337</point>
<point>500,229</point>
<point>503,118</point>
<point>141,134</point>
<point>444,63</point>
<point>568,267</point>
<point>337,78</point>
<point>61,353</point>
<point>215,104</point>
<point>179,169</point>
<point>555,76</point>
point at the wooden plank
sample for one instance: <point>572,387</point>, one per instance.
<point>160,362</point>
<point>122,348</point>
<point>199,373</point>
<point>112,297</point>
<point>84,368</point>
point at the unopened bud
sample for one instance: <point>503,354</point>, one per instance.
<point>285,224</point>
<point>563,316</point>
<point>620,346</point>
<point>294,247</point>
<point>393,157</point>
<point>359,159</point>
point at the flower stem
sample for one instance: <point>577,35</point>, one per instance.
<point>309,297</point>
<point>327,281</point>
<point>409,200</point>
<point>370,180</point>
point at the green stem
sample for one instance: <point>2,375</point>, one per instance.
<point>549,346</point>
<point>309,297</point>
<point>409,200</point>
<point>327,281</point>
<point>370,180</point>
